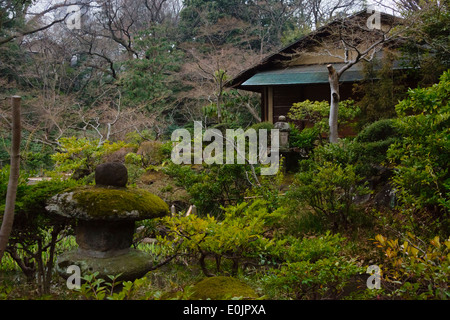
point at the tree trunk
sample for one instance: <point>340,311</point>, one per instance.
<point>333,79</point>
<point>49,265</point>
<point>203,265</point>
<point>219,98</point>
<point>235,267</point>
<point>8,217</point>
<point>26,265</point>
<point>219,111</point>
<point>253,112</point>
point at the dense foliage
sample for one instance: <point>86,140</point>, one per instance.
<point>291,243</point>
<point>421,158</point>
<point>32,244</point>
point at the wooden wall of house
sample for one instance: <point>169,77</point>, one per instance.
<point>284,97</point>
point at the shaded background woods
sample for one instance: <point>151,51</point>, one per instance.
<point>141,66</point>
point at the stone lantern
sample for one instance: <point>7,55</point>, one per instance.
<point>284,128</point>
<point>105,216</point>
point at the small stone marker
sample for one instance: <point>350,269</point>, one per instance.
<point>284,128</point>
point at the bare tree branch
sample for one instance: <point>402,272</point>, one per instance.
<point>29,29</point>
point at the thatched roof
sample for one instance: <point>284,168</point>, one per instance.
<point>279,59</point>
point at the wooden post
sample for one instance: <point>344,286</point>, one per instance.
<point>270,104</point>
<point>8,216</point>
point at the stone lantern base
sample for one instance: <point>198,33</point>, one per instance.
<point>132,264</point>
<point>104,247</point>
<point>103,239</point>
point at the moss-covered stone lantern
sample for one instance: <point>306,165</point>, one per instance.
<point>106,215</point>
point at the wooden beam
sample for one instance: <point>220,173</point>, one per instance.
<point>270,104</point>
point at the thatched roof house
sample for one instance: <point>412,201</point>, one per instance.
<point>298,71</point>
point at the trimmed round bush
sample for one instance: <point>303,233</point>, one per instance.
<point>378,131</point>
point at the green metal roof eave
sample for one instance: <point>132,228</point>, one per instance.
<point>290,78</point>
<point>307,74</point>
